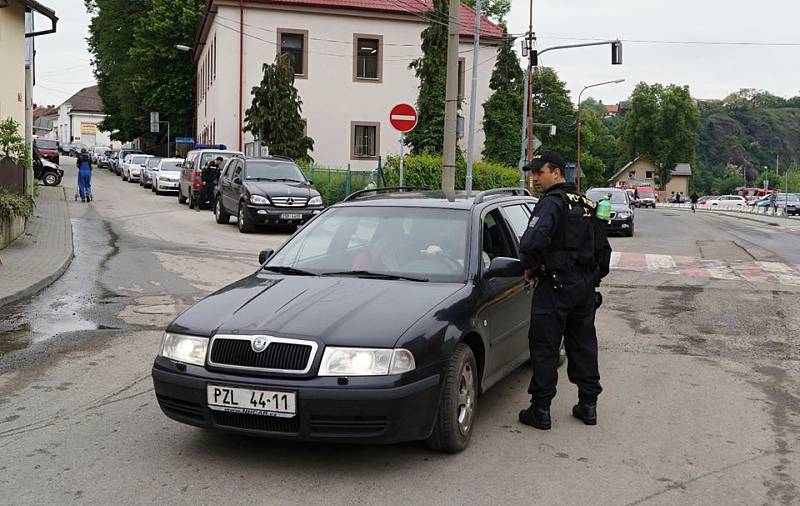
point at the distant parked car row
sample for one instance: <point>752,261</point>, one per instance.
<point>257,191</point>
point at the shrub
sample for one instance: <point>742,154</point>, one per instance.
<point>426,170</point>
<point>335,184</point>
<point>12,204</point>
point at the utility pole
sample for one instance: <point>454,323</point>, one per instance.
<point>451,102</point>
<point>532,61</point>
<point>522,158</point>
<point>473,97</point>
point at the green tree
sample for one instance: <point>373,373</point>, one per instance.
<point>594,105</point>
<point>163,25</point>
<point>662,124</point>
<point>502,111</point>
<point>494,9</point>
<point>109,43</point>
<point>136,65</point>
<point>275,114</point>
<point>431,70</point>
<point>552,104</point>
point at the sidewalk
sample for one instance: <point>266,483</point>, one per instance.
<point>42,253</point>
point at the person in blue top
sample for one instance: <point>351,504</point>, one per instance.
<point>85,176</point>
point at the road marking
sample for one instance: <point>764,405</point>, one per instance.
<point>694,267</point>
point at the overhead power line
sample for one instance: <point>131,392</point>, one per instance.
<point>684,42</point>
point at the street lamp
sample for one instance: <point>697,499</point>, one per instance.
<point>578,156</point>
<point>181,47</point>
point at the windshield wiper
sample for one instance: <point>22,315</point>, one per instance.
<point>285,269</point>
<point>373,275</point>
<point>260,179</point>
<point>287,179</point>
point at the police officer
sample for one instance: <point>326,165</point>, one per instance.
<point>565,252</point>
<point>210,177</point>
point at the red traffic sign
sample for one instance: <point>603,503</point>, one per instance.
<point>403,117</point>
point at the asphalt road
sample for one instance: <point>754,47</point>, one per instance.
<point>701,376</point>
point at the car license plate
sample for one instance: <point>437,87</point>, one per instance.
<point>291,216</point>
<point>252,402</point>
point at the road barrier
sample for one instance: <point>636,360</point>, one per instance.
<point>764,211</point>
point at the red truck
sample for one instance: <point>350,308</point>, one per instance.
<point>48,149</point>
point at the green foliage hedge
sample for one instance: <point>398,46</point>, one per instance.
<point>12,204</point>
<point>426,170</point>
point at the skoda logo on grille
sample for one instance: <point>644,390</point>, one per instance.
<point>290,201</point>
<point>260,344</point>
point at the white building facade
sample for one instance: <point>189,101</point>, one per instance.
<point>351,66</point>
<point>78,118</point>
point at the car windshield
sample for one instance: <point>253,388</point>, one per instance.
<point>152,162</point>
<point>265,169</point>
<point>617,197</point>
<point>171,166</point>
<point>423,243</point>
<point>646,195</point>
<point>139,160</point>
<point>45,144</point>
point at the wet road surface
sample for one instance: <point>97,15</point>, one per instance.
<point>701,402</point>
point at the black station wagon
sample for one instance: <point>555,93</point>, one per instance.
<point>381,320</point>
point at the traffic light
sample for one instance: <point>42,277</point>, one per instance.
<point>616,53</point>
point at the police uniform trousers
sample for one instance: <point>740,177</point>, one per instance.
<point>568,312</point>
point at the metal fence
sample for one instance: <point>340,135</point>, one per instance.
<point>336,184</point>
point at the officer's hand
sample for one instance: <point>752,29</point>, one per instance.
<point>530,275</point>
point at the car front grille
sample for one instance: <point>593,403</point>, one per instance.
<point>256,422</point>
<point>280,355</point>
<point>289,201</point>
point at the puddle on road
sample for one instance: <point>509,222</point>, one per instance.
<point>61,307</point>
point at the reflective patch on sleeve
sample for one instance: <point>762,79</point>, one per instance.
<point>533,222</point>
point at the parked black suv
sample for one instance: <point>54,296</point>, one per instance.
<point>265,191</point>
<point>381,320</point>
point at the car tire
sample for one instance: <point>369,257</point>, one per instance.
<point>192,203</point>
<point>123,177</point>
<point>221,216</point>
<point>51,179</point>
<point>455,417</point>
<point>245,225</point>
<point>181,198</point>
<point>629,232</point>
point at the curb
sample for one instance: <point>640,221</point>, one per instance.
<point>48,280</point>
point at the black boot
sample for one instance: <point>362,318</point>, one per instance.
<point>536,417</point>
<point>585,412</point>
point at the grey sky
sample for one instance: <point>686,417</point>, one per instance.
<point>711,71</point>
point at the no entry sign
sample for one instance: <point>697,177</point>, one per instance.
<point>403,117</point>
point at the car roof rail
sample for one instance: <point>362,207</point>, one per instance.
<point>356,195</point>
<point>481,196</point>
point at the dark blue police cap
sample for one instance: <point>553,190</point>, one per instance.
<point>546,156</point>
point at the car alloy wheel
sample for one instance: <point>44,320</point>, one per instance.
<point>245,226</point>
<point>457,404</point>
<point>50,179</point>
<point>466,399</point>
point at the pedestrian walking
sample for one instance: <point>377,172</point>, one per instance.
<point>565,253</point>
<point>84,164</point>
<point>694,198</point>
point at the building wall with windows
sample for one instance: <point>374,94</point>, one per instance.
<point>12,55</point>
<point>352,67</point>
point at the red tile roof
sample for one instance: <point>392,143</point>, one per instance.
<point>489,30</point>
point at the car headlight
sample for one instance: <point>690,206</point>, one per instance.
<point>315,201</point>
<point>624,215</point>
<point>188,349</point>
<point>365,362</point>
<point>258,199</point>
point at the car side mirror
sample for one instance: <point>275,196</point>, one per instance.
<point>311,182</point>
<point>265,255</point>
<point>237,180</point>
<point>631,205</point>
<point>504,267</point>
